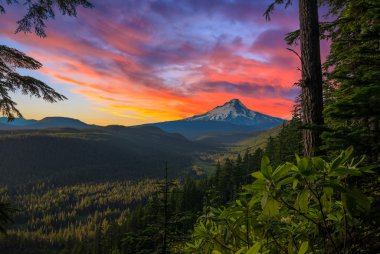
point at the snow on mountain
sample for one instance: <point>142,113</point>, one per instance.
<point>236,112</point>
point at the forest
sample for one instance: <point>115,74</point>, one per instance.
<point>313,188</point>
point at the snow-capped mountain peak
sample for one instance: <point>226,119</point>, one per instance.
<point>236,112</point>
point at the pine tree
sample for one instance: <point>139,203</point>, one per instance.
<point>353,72</point>
<point>11,81</point>
<point>5,215</point>
<point>38,12</point>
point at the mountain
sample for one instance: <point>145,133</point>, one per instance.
<point>47,122</point>
<point>16,122</point>
<point>237,113</point>
<point>233,117</point>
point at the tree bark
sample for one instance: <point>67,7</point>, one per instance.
<point>312,99</point>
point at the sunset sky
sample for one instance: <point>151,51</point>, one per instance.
<point>133,62</point>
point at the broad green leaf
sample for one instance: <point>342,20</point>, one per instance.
<point>216,252</point>
<point>284,181</point>
<point>332,217</point>
<point>253,201</point>
<point>258,185</point>
<point>281,171</point>
<point>295,183</point>
<point>266,169</point>
<point>326,199</point>
<point>241,250</point>
<point>346,154</point>
<point>303,201</point>
<point>290,246</point>
<point>264,200</point>
<point>318,163</point>
<point>271,208</point>
<point>254,249</point>
<point>303,248</point>
<point>297,158</point>
<point>344,172</point>
<point>304,166</point>
<point>258,175</point>
<point>368,169</point>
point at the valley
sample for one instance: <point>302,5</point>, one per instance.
<point>64,150</point>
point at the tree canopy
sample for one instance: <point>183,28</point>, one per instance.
<point>38,11</point>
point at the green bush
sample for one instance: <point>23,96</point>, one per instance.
<point>311,206</point>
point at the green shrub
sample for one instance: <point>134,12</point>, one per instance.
<point>311,206</point>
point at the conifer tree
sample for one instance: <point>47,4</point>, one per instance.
<point>5,215</point>
<point>38,11</point>
<point>11,81</point>
<point>353,72</point>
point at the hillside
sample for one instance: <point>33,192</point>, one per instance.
<point>47,122</point>
<point>66,155</point>
<point>258,141</point>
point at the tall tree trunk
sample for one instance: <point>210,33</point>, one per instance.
<point>312,100</point>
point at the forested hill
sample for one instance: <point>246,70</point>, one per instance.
<point>72,155</point>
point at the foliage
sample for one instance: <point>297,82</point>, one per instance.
<point>312,205</point>
<point>228,178</point>
<point>353,73</point>
<point>11,81</point>
<point>5,215</point>
<point>38,11</point>
<point>11,59</point>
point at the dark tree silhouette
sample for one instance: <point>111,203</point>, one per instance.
<point>11,81</point>
<point>38,12</point>
<point>5,217</point>
<point>311,82</point>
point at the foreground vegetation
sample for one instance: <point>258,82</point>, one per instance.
<point>312,205</point>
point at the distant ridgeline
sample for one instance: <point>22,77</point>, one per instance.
<point>65,150</point>
<point>230,119</point>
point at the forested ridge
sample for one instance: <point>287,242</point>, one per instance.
<point>109,153</point>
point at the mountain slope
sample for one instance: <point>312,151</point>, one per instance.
<point>111,153</point>
<point>233,117</point>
